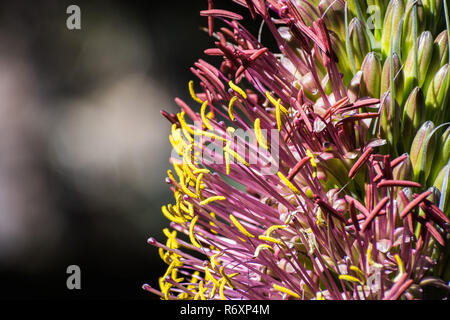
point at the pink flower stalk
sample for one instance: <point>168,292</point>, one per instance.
<point>280,192</point>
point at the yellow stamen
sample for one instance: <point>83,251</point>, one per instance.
<point>230,107</point>
<point>360,273</point>
<point>278,114</point>
<point>227,277</point>
<point>213,291</point>
<point>273,228</point>
<point>192,92</point>
<point>213,215</point>
<point>274,102</point>
<point>285,290</point>
<point>237,89</point>
<point>312,161</point>
<point>214,262</point>
<point>236,156</point>
<point>240,227</point>
<point>171,217</point>
<point>319,296</point>
<point>198,184</point>
<point>369,257</point>
<point>209,276</point>
<point>187,131</point>
<point>191,233</point>
<point>227,159</point>
<point>350,278</point>
<point>260,247</point>
<point>202,290</point>
<point>259,136</point>
<point>204,118</point>
<point>197,171</point>
<point>186,189</point>
<point>271,239</point>
<point>288,183</point>
<point>211,199</point>
<point>221,288</point>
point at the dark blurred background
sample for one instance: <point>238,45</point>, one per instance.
<point>83,148</point>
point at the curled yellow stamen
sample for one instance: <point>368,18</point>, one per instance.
<point>209,276</point>
<point>198,184</point>
<point>186,189</point>
<point>240,227</point>
<point>171,217</point>
<point>312,161</point>
<point>273,228</point>
<point>214,261</point>
<point>221,288</point>
<point>360,273</point>
<point>259,136</point>
<point>211,199</point>
<point>237,89</point>
<point>369,257</point>
<point>285,290</point>
<point>350,278</point>
<point>260,247</point>
<point>227,277</point>
<point>191,233</point>
<point>192,92</point>
<point>236,156</point>
<point>288,183</point>
<point>204,117</point>
<point>230,107</point>
<point>274,102</point>
<point>271,239</point>
<point>227,159</point>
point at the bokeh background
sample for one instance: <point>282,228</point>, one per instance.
<point>83,148</point>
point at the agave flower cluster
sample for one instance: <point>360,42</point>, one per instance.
<point>319,171</point>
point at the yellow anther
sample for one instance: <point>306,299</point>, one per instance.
<point>178,169</point>
<point>221,288</point>
<point>170,175</point>
<point>171,217</point>
<point>237,89</point>
<point>260,247</point>
<point>227,277</point>
<point>192,92</point>
<point>230,107</point>
<point>204,118</point>
<point>360,273</point>
<point>319,296</point>
<point>259,136</point>
<point>235,155</point>
<point>214,261</point>
<point>176,145</point>
<point>191,233</point>
<point>274,102</point>
<point>312,161</point>
<point>187,131</point>
<point>227,159</point>
<point>201,290</point>
<point>211,199</point>
<point>209,276</point>
<point>288,183</point>
<point>285,290</point>
<point>401,266</point>
<point>230,131</point>
<point>198,184</point>
<point>161,253</point>
<point>350,278</point>
<point>319,218</point>
<point>213,215</point>
<point>278,114</point>
<point>369,257</point>
<point>273,228</point>
<point>186,189</point>
<point>271,239</point>
<point>213,291</point>
<point>240,227</point>
<point>197,171</point>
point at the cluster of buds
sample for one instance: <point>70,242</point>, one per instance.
<point>313,173</point>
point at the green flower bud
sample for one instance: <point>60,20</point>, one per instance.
<point>334,16</point>
<point>421,152</point>
<point>443,180</point>
<point>408,31</point>
<point>389,122</point>
<point>308,11</point>
<point>359,41</point>
<point>392,18</point>
<point>434,14</point>
<point>437,92</point>
<point>398,77</point>
<point>413,115</point>
<point>371,75</point>
<point>440,57</point>
<point>442,153</point>
<point>354,87</point>
<point>424,54</point>
<point>404,170</point>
